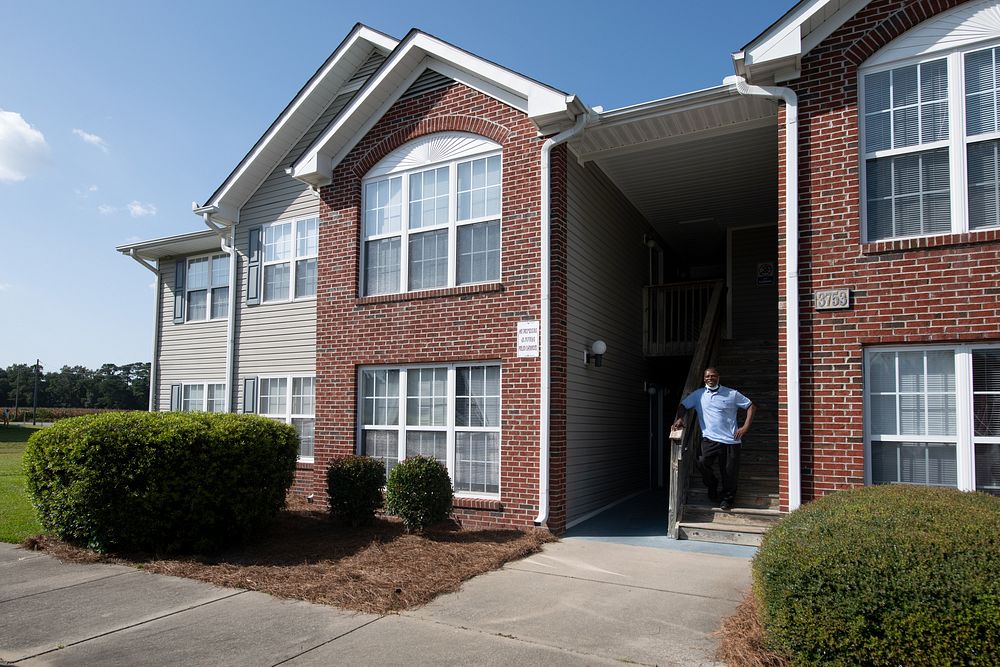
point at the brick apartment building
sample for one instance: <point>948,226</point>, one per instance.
<point>427,253</point>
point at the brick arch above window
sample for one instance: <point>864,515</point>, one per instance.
<point>451,123</point>
<point>895,25</point>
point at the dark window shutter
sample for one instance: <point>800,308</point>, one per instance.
<point>253,268</point>
<point>180,274</point>
<point>175,398</point>
<point>250,395</point>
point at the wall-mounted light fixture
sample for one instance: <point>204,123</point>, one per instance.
<point>595,353</point>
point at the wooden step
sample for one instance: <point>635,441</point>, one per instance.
<point>721,533</point>
<point>742,525</point>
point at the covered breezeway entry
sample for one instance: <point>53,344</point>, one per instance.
<point>701,170</point>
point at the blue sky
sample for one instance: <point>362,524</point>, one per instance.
<point>115,116</point>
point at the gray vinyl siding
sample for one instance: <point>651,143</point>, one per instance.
<point>606,408</point>
<point>754,307</point>
<point>189,352</point>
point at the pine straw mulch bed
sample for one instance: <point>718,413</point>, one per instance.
<point>303,555</point>
<point>741,639</point>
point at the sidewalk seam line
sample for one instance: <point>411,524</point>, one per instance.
<point>328,641</point>
<point>515,638</point>
<point>133,625</point>
<point>62,588</point>
<point>611,583</point>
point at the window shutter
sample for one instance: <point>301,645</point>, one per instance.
<point>253,268</point>
<point>180,273</point>
<point>249,395</point>
<point>175,398</point>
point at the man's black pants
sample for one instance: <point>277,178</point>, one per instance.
<point>728,457</point>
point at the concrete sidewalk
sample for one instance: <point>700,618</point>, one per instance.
<point>578,602</point>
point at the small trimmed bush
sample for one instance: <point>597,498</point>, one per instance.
<point>160,482</point>
<point>884,575</point>
<point>418,491</point>
<point>354,487</point>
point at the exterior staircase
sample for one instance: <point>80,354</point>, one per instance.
<point>752,368</point>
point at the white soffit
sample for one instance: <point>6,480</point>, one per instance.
<point>173,246</point>
<point>548,107</point>
<point>673,120</point>
<point>296,119</point>
<point>776,54</point>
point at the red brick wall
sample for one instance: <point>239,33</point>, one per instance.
<point>919,291</point>
<point>472,323</point>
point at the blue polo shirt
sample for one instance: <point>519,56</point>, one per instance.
<point>717,412</point>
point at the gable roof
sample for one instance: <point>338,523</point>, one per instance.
<point>551,110</point>
<point>295,120</point>
<point>776,54</point>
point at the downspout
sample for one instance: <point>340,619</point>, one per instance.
<point>229,247</point>
<point>788,96</point>
<point>545,357</point>
<point>157,314</point>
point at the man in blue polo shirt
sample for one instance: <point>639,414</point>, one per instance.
<point>717,407</point>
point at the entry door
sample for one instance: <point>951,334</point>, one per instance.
<point>753,283</point>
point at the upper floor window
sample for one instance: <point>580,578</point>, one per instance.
<point>289,259</point>
<point>930,138</point>
<point>432,215</point>
<point>207,291</point>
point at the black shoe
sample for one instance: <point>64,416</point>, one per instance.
<point>726,505</point>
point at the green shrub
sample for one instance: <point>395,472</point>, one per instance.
<point>162,482</point>
<point>418,491</point>
<point>884,575</point>
<point>354,488</point>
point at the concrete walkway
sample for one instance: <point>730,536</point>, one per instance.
<point>578,602</point>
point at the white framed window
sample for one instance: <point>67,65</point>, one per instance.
<point>929,142</point>
<point>203,397</point>
<point>291,399</point>
<point>431,216</point>
<point>207,290</point>
<point>290,249</point>
<point>932,416</point>
<point>449,412</point>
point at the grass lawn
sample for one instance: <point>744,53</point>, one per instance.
<point>17,517</point>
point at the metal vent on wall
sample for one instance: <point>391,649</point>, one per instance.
<point>426,82</point>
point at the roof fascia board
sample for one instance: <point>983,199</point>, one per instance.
<point>139,247</point>
<point>418,51</point>
<point>665,106</point>
<point>360,33</point>
<point>843,15</point>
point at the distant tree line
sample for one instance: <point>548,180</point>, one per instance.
<point>110,386</point>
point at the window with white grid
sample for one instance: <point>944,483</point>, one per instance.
<point>930,144</point>
<point>291,399</point>
<point>432,216</point>
<point>207,287</point>
<point>203,397</point>
<point>290,250</point>
<point>449,412</point>
<point>932,416</point>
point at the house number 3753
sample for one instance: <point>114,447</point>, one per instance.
<point>834,299</point>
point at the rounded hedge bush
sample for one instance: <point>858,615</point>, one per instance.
<point>354,488</point>
<point>160,482</point>
<point>418,491</point>
<point>884,575</point>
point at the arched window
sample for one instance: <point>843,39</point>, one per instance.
<point>930,132</point>
<point>431,215</point>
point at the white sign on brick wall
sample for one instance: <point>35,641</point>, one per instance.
<point>528,340</point>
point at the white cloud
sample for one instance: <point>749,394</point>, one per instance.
<point>107,209</point>
<point>91,139</point>
<point>84,193</point>
<point>4,287</point>
<point>22,147</point>
<point>139,210</point>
